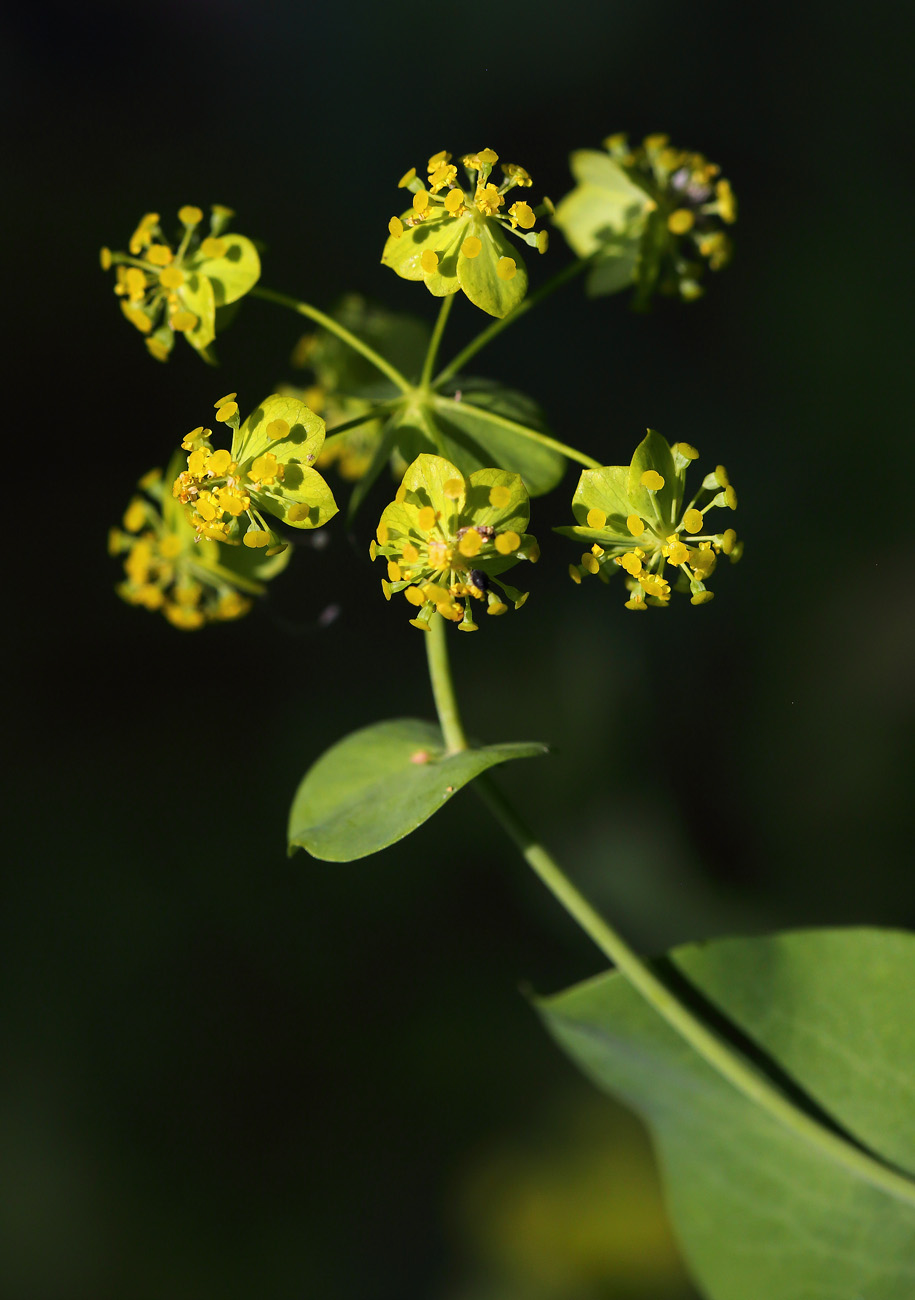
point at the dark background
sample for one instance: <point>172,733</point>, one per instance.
<point>229,1073</point>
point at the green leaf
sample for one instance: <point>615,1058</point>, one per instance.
<point>762,1213</point>
<point>479,278</point>
<point>440,235</point>
<point>233,274</point>
<point>196,294</point>
<point>399,338</point>
<point>378,784</point>
<point>653,453</point>
<point>303,442</point>
<point>476,440</point>
<point>301,486</point>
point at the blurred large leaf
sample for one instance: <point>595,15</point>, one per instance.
<point>761,1213</point>
<point>399,338</point>
<point>377,785</point>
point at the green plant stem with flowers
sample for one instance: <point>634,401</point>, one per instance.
<point>743,1055</point>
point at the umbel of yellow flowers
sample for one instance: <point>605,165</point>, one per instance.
<point>168,289</point>
<point>268,469</point>
<point>637,519</point>
<point>168,569</point>
<point>455,235</point>
<point>447,538</point>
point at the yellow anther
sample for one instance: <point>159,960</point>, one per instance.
<point>471,246</point>
<point>589,562</point>
<point>543,241</point>
<point>488,156</point>
<point>596,518</point>
<point>574,574</point>
<point>415,596</point>
<point>693,521</point>
<point>134,516</point>
<point>183,321</point>
<point>264,469</point>
<point>677,553</point>
<point>425,519</point>
<point>420,202</point>
<point>497,607</point>
<point>229,397</point>
<point>256,538</point>
<point>657,141</point>
<point>652,480</point>
<point>159,255</point>
<point>453,489</point>
<point>597,550</point>
<point>205,507</point>
<point>702,598</point>
<point>298,512</point>
<point>442,176</point>
<point>233,502</point>
<point>631,563</point>
<point>395,227</point>
<point>137,318</point>
<point>277,428</point>
<point>730,497</point>
<point>394,571</point>
<point>454,202</point>
<point>212,246</point>
<point>721,475</point>
<point>135,281</point>
<point>727,203</point>
<point>686,450</point>
<point>406,178</point>
<point>429,262</point>
<point>507,542</point>
<point>499,496</point>
<point>189,215</point>
<point>437,159</point>
<point>635,602</point>
<point>506,268</point>
<point>171,277</point>
<point>703,560</point>
<point>104,257</point>
<point>522,214</point>
<point>471,543</point>
<point>226,412</point>
<point>655,585</point>
<point>438,595</point>
<point>197,462</point>
<point>728,538</point>
<point>142,236</point>
<point>635,524</point>
<point>681,221</point>
<point>488,199</point>
<point>219,463</point>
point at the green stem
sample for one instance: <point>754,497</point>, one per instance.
<point>727,1060</point>
<point>435,341</point>
<point>442,686</point>
<point>376,413</point>
<point>497,326</point>
<point>449,403</point>
<point>334,327</point>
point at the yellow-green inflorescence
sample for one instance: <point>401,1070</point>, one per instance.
<point>659,214</point>
<point>174,287</point>
<point>454,236</point>
<point>446,538</point>
<point>268,469</point>
<point>168,568</point>
<point>638,518</point>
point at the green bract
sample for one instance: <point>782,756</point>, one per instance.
<point>446,538</point>
<point>269,468</point>
<point>452,238</point>
<point>166,290</point>
<point>634,518</point>
<point>167,567</point>
<point>653,216</point>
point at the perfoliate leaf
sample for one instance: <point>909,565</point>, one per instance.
<point>761,1210</point>
<point>378,784</point>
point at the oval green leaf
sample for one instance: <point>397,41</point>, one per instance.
<point>760,1211</point>
<point>377,785</point>
<point>235,272</point>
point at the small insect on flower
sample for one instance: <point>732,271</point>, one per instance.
<point>446,539</point>
<point>170,287</point>
<point>637,518</point>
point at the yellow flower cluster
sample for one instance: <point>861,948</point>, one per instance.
<point>164,570</point>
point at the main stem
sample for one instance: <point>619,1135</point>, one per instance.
<point>497,326</point>
<point>724,1058</point>
<point>334,327</point>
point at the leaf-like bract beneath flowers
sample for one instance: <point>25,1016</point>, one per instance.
<point>377,785</point>
<point>297,452</point>
<point>233,274</point>
<point>605,211</point>
<point>196,295</point>
<point>479,276</point>
<point>760,1212</point>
